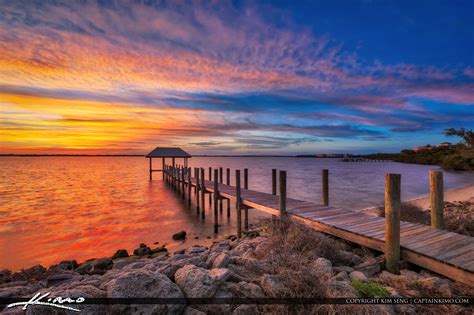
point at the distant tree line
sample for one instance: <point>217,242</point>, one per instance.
<point>457,157</point>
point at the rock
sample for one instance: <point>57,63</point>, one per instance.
<point>195,282</point>
<point>341,276</point>
<point>96,266</point>
<point>193,311</point>
<point>143,284</point>
<point>161,249</point>
<point>370,267</point>
<point>358,275</point>
<point>19,291</point>
<point>179,252</point>
<point>245,289</point>
<point>219,274</point>
<point>55,279</point>
<point>67,265</point>
<point>348,258</point>
<point>393,292</point>
<point>31,274</point>
<point>220,246</point>
<point>410,274</point>
<point>195,250</point>
<point>405,309</point>
<point>120,263</point>
<point>273,285</point>
<point>347,269</point>
<point>321,266</point>
<point>121,253</point>
<point>179,236</point>
<point>211,258</point>
<point>221,261</point>
<point>339,289</point>
<point>142,250</point>
<point>5,276</point>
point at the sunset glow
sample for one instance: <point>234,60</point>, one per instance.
<point>231,78</point>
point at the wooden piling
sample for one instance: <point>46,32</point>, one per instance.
<point>163,168</point>
<point>228,184</point>
<point>437,199</point>
<point>151,169</point>
<point>238,204</point>
<point>216,197</point>
<point>203,194</point>
<point>183,182</point>
<point>197,191</point>
<point>282,198</point>
<point>274,181</point>
<point>178,181</point>
<point>221,180</point>
<point>325,185</point>
<point>392,222</point>
<point>189,186</point>
<point>210,179</point>
<point>246,178</point>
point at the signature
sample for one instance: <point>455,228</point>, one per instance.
<point>57,302</point>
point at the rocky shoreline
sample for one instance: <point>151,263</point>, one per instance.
<point>280,259</point>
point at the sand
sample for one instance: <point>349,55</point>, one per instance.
<point>465,193</point>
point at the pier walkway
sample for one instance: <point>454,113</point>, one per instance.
<point>446,253</point>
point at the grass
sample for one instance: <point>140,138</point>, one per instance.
<point>459,217</point>
<point>370,289</point>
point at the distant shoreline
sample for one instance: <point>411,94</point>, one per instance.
<point>143,155</point>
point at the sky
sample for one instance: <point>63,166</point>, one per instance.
<point>241,77</point>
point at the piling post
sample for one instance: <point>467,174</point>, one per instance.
<point>437,199</point>
<point>189,186</point>
<point>282,198</point>
<point>210,179</point>
<point>392,222</point>
<point>216,197</point>
<point>151,169</point>
<point>183,182</point>
<point>325,185</point>
<point>221,177</point>
<point>178,181</point>
<point>163,168</point>
<point>228,184</point>
<point>197,191</point>
<point>274,181</point>
<point>203,193</point>
<point>238,203</point>
<point>246,178</point>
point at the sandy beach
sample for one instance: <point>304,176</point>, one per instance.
<point>465,193</point>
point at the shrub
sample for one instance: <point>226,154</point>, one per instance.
<point>370,289</point>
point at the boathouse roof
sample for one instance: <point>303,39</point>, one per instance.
<point>168,152</point>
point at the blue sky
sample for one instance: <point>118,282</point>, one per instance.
<point>267,77</point>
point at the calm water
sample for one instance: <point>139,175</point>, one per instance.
<point>55,208</point>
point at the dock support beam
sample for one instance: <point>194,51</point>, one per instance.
<point>392,222</point>
<point>151,172</point>
<point>189,186</point>
<point>325,184</point>
<point>197,190</point>
<point>203,194</point>
<point>274,181</point>
<point>210,179</point>
<point>437,199</point>
<point>216,197</point>
<point>246,186</point>
<point>221,180</point>
<point>238,203</point>
<point>228,184</point>
<point>282,198</point>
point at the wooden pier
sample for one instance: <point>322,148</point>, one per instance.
<point>446,253</point>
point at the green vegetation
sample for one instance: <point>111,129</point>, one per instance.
<point>370,289</point>
<point>456,157</point>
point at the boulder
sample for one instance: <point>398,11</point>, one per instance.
<point>19,291</point>
<point>67,265</point>
<point>321,266</point>
<point>55,279</point>
<point>370,267</point>
<point>245,310</point>
<point>245,289</point>
<point>142,250</point>
<point>358,275</point>
<point>348,258</point>
<point>144,284</point>
<point>221,261</point>
<point>192,311</point>
<point>343,268</point>
<point>121,253</point>
<point>398,281</point>
<point>179,236</point>
<point>5,276</point>
<point>341,276</point>
<point>339,289</point>
<point>95,266</point>
<point>195,250</point>
<point>219,274</point>
<point>195,282</point>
